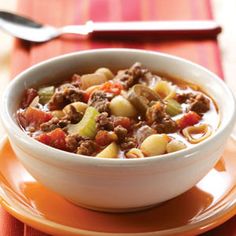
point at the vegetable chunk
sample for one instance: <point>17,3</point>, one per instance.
<point>55,138</point>
<point>111,151</point>
<point>87,126</point>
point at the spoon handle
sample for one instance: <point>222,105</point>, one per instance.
<point>159,29</point>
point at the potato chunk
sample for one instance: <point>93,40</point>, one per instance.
<point>111,151</point>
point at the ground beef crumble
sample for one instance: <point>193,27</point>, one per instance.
<point>53,124</point>
<point>200,104</point>
<point>73,115</point>
<point>167,125</point>
<point>132,76</point>
<point>160,120</point>
<point>88,148</point>
<point>100,100</point>
<point>197,102</point>
<point>121,133</point>
<point>104,122</point>
<point>81,145</point>
<point>65,95</point>
<point>128,143</point>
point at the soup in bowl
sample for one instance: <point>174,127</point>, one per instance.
<point>118,129</point>
<point>132,113</point>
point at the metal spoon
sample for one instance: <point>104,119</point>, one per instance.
<point>27,29</point>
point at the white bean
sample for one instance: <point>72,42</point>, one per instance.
<point>120,106</point>
<point>164,89</point>
<point>106,72</point>
<point>175,145</point>
<point>79,106</point>
<point>154,144</point>
<point>89,80</point>
<point>134,153</point>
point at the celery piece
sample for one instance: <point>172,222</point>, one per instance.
<point>111,151</point>
<point>173,107</point>
<point>45,93</point>
<point>87,126</point>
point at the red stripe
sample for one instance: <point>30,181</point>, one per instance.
<point>194,10</point>
<point>32,232</point>
<point>9,225</point>
<point>99,10</point>
<point>209,9</point>
<point>81,8</point>
<point>153,10</point>
<point>218,63</point>
<point>127,15</point>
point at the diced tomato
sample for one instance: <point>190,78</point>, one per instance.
<point>55,138</point>
<point>29,95</point>
<point>86,97</point>
<point>191,118</point>
<point>34,117</point>
<point>112,87</point>
<point>123,121</point>
<point>104,137</point>
<point>44,138</point>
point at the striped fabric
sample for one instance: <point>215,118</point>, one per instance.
<point>62,12</point>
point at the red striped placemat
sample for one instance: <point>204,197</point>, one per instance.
<point>63,12</point>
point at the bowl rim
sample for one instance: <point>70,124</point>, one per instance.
<point>67,158</point>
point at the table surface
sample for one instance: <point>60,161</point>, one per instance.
<point>224,13</point>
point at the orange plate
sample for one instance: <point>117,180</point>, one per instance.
<point>210,203</point>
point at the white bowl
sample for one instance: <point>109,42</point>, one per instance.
<point>117,184</point>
